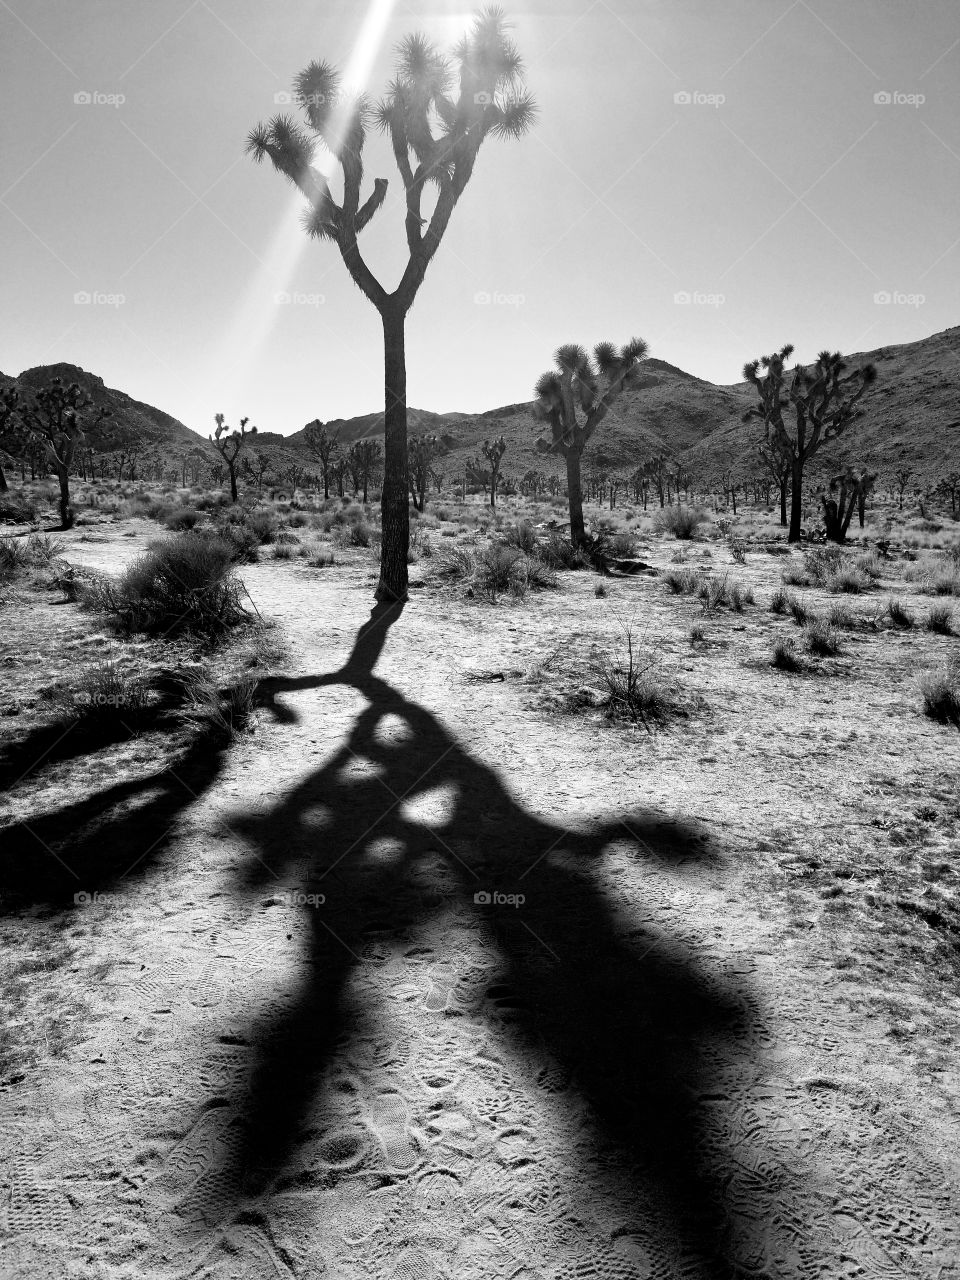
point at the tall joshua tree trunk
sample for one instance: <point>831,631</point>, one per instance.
<point>395,511</point>
<point>783,501</point>
<point>796,500</point>
<point>575,498</point>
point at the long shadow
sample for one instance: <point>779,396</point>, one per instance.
<point>101,841</point>
<point>637,1025</point>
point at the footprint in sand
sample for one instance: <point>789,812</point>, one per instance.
<point>389,1119</point>
<point>442,982</point>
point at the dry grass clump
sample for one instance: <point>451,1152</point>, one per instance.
<point>899,614</point>
<point>682,522</point>
<point>841,618</point>
<point>784,655</point>
<point>940,692</point>
<point>821,639</point>
<point>635,685</point>
<point>940,619</point>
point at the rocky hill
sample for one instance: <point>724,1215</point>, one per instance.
<point>911,418</point>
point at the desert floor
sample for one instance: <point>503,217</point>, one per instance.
<point>701,1020</point>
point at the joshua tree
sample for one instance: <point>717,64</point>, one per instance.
<point>777,465</point>
<point>424,450</point>
<point>293,475</point>
<point>949,486</point>
<point>493,451</point>
<point>730,484</point>
<point>436,131</point>
<point>256,465</point>
<point>323,447</point>
<point>824,401</point>
<point>363,461</point>
<point>57,418</point>
<point>230,444</point>
<point>656,470</point>
<point>847,491</point>
<point>9,400</point>
<point>900,477</point>
<point>593,384</point>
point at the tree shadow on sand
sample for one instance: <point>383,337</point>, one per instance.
<point>638,1026</point>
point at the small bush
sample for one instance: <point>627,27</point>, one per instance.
<point>940,619</point>
<point>298,520</point>
<point>320,558</point>
<point>794,576</point>
<point>558,552</point>
<point>457,564</point>
<point>242,542</point>
<point>849,580</point>
<point>179,519</point>
<point>682,522</point>
<point>695,635</point>
<point>801,614</point>
<point>946,584</point>
<point>600,591</point>
<point>870,563</point>
<point>284,551</point>
<point>103,691</point>
<point>684,582</point>
<point>623,546</point>
<point>784,655</point>
<point>821,639</point>
<point>899,614</point>
<point>498,569</point>
<point>16,511</point>
<point>183,583</point>
<point>635,686</point>
<point>220,713</point>
<point>840,617</point>
<point>780,601</point>
<point>523,536</point>
<point>821,563</point>
<point>740,596</point>
<point>940,691</point>
<point>738,550</point>
<point>263,525</point>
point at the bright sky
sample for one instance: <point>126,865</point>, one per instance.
<point>717,178</point>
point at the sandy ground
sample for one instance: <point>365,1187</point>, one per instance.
<point>432,981</point>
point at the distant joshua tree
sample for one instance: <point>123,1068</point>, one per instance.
<point>777,465</point>
<point>847,491</point>
<point>493,451</point>
<point>424,452</point>
<point>901,477</point>
<point>421,99</point>
<point>591,384</point>
<point>323,447</point>
<point>230,445</point>
<point>57,417</point>
<point>949,486</point>
<point>364,463</point>
<point>824,401</point>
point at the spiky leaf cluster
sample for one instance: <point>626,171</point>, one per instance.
<point>585,382</point>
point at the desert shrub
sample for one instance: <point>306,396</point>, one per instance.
<point>780,601</point>
<point>242,541</point>
<point>263,525</point>
<point>558,552</point>
<point>684,582</point>
<point>682,522</point>
<point>457,564</point>
<point>623,545</point>
<point>540,577</point>
<point>784,655</point>
<point>636,688</point>
<point>443,513</point>
<point>600,591</point>
<point>899,614</point>
<point>740,596</point>
<point>695,635</point>
<point>738,550</point>
<point>801,614</point>
<point>870,563</point>
<point>318,557</point>
<point>523,536</point>
<point>499,569</point>
<point>298,520</point>
<point>821,639</point>
<point>102,691</point>
<point>940,619</point>
<point>849,580</point>
<point>179,519</point>
<point>946,584</point>
<point>14,557</point>
<point>284,551</point>
<point>218,713</point>
<point>940,692</point>
<point>794,576</point>
<point>16,510</point>
<point>183,583</point>
<point>840,618</point>
<point>820,563</point>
